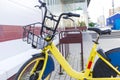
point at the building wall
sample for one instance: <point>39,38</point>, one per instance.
<point>57,7</point>
<point>14,14</point>
<point>116,10</point>
<point>19,12</point>
<point>10,32</point>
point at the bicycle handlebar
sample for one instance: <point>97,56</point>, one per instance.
<point>51,36</point>
<point>40,1</point>
<point>42,4</point>
<point>72,14</point>
<point>99,31</point>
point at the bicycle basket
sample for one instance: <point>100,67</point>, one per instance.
<point>31,34</point>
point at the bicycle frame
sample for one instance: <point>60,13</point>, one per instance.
<point>84,75</point>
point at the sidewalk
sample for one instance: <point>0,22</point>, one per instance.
<point>74,57</point>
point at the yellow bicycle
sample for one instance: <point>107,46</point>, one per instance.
<point>41,65</point>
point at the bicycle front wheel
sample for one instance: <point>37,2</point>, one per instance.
<point>35,63</point>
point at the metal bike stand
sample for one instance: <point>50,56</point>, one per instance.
<point>67,37</point>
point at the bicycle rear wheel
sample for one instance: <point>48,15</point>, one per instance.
<point>25,71</point>
<point>101,70</point>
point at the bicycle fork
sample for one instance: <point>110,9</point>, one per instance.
<point>46,68</point>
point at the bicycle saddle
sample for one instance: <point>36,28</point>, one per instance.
<point>99,31</point>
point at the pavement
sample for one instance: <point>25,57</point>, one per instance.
<point>106,43</point>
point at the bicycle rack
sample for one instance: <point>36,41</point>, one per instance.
<point>67,37</point>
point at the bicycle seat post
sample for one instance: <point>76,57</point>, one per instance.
<point>97,39</point>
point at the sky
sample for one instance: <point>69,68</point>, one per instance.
<point>101,7</point>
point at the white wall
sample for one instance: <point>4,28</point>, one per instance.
<point>19,12</point>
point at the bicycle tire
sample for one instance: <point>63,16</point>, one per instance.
<point>24,71</point>
<point>101,69</point>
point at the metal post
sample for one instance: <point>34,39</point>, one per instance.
<point>113,6</point>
